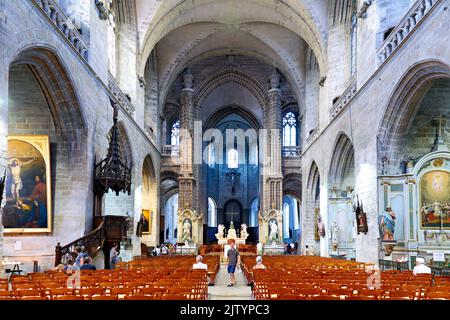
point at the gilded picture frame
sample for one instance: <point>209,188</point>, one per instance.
<point>28,189</point>
<point>434,205</point>
<point>147,226</point>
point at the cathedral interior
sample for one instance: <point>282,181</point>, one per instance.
<point>149,122</point>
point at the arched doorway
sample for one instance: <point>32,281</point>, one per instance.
<point>171,219</point>
<point>291,219</point>
<point>341,218</point>
<point>153,235</point>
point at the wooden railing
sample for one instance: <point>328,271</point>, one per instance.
<point>109,229</point>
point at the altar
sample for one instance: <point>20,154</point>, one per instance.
<point>224,238</point>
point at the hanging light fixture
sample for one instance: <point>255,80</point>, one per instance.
<point>112,173</point>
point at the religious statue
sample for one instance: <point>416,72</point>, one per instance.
<point>221,233</point>
<point>244,233</point>
<point>273,235</point>
<point>139,228</point>
<point>231,231</point>
<point>387,225</point>
<point>334,233</point>
<point>320,227</point>
<point>187,227</point>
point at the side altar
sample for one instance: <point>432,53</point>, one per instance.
<point>191,225</point>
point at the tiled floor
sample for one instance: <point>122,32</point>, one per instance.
<point>220,291</point>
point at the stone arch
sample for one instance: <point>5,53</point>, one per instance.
<point>231,75</point>
<point>221,113</point>
<point>342,161</point>
<point>294,15</point>
<point>292,185</point>
<point>125,145</point>
<point>63,99</point>
<point>313,178</point>
<point>150,198</point>
<point>70,165</point>
<point>404,102</point>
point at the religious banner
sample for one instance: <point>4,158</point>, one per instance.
<point>435,200</point>
<point>28,206</point>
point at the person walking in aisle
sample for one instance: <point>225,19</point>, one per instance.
<point>234,261</point>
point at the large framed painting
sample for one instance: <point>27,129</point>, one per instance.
<point>146,221</point>
<point>435,200</point>
<point>28,207</point>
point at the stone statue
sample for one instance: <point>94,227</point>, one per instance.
<point>273,235</point>
<point>221,233</point>
<point>231,225</point>
<point>387,225</point>
<point>244,233</point>
<point>334,233</point>
<point>187,230</point>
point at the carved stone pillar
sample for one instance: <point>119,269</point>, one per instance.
<point>187,182</point>
<point>272,177</point>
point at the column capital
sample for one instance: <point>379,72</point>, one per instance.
<point>274,80</point>
<point>188,80</point>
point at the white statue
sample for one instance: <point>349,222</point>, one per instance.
<point>334,232</point>
<point>187,230</point>
<point>244,233</point>
<point>273,235</point>
<point>221,233</point>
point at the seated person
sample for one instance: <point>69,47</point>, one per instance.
<point>80,255</point>
<point>87,264</point>
<point>259,264</point>
<point>421,267</point>
<point>199,265</point>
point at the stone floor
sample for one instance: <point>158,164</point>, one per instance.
<point>220,291</point>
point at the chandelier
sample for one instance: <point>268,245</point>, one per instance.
<point>112,173</point>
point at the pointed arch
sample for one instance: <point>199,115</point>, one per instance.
<point>342,162</point>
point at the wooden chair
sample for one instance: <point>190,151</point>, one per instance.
<point>104,298</point>
<point>29,293</point>
<point>140,297</point>
<point>69,297</point>
<point>437,296</point>
<point>324,297</point>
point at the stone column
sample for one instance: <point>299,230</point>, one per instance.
<point>3,133</point>
<point>186,197</point>
<point>271,171</point>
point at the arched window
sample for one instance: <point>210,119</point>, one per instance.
<point>286,222</point>
<point>171,218</point>
<point>289,130</point>
<point>211,155</point>
<point>296,215</point>
<point>175,134</point>
<point>254,213</point>
<point>353,39</point>
<point>233,159</point>
<point>212,213</point>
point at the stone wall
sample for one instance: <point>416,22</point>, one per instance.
<point>26,27</point>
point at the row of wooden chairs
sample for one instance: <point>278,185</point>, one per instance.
<point>137,280</point>
<point>317,278</point>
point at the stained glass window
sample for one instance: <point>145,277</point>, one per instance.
<point>289,130</point>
